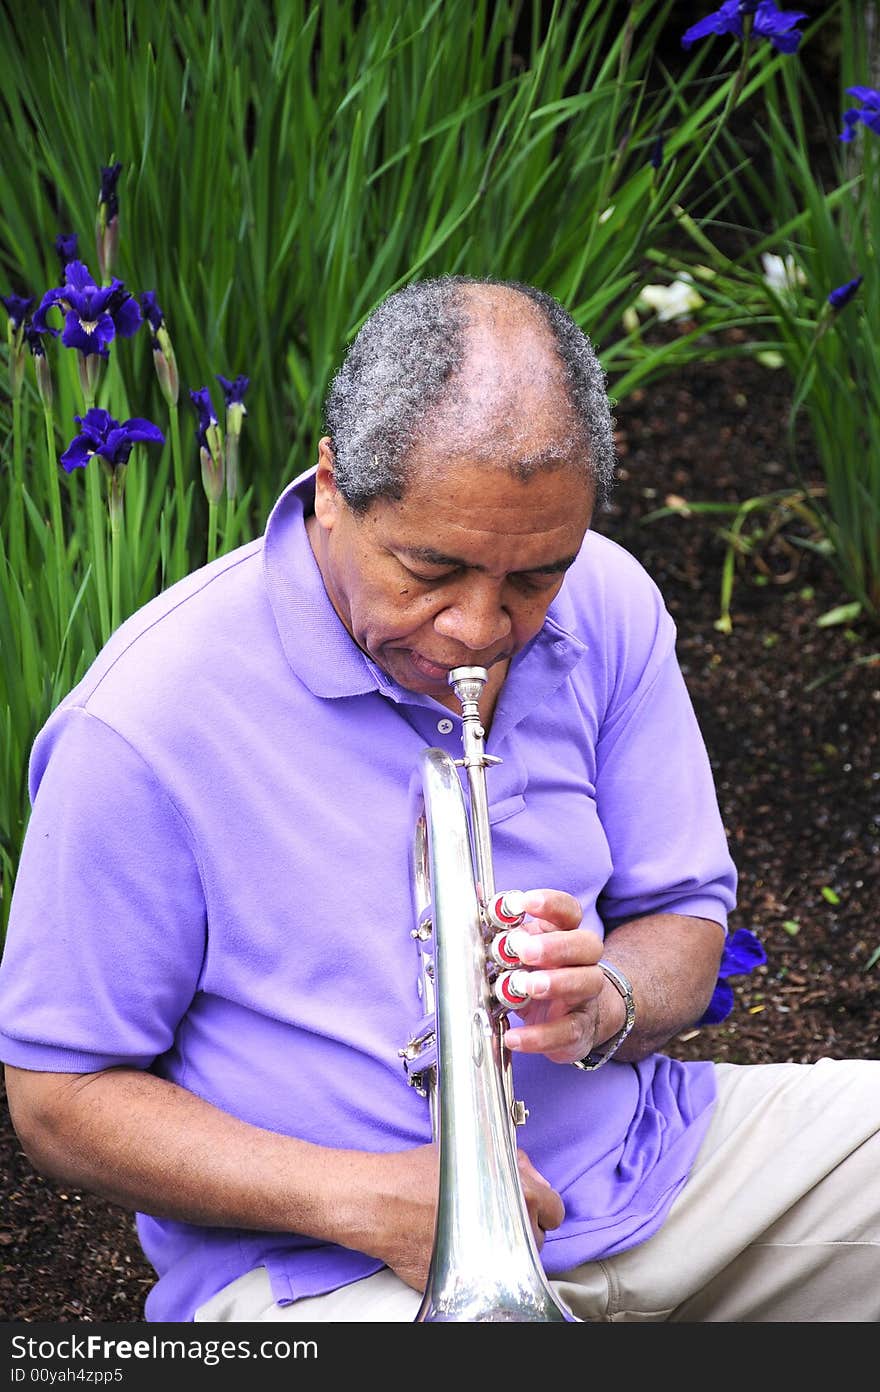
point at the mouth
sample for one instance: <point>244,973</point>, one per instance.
<point>426,668</point>
<point>435,671</point>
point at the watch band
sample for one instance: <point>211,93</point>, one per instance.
<point>599,1056</point>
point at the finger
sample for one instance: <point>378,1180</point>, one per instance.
<point>563,1039</point>
<point>573,986</point>
<point>557,907</point>
<point>545,1204</point>
<point>579,947</point>
<point>551,1211</point>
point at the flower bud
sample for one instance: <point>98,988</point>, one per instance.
<point>166,371</point>
<point>107,238</point>
<point>232,462</point>
<point>236,410</point>
<point>115,493</point>
<point>90,366</point>
<point>841,297</point>
<point>107,221</point>
<point>234,417</point>
<point>17,360</point>
<point>214,439</point>
<point>43,373</point>
<point>212,476</point>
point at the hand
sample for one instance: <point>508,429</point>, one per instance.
<point>408,1183</point>
<point>561,1016</point>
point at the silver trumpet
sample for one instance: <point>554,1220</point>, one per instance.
<point>485,1265</point>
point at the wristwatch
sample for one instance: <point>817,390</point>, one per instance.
<point>596,1057</point>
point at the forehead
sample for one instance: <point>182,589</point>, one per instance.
<point>468,512</point>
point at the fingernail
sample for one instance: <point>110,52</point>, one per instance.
<point>521,943</point>
<point>538,984</point>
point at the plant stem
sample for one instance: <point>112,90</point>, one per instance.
<point>116,507</point>
<point>57,524</point>
<point>115,550</point>
<point>229,524</point>
<point>212,531</point>
<point>181,559</point>
<point>17,547</point>
<point>98,545</point>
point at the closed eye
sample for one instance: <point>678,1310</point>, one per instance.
<point>430,579</point>
<point>537,579</point>
<point>524,579</point>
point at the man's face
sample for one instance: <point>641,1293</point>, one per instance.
<point>460,572</point>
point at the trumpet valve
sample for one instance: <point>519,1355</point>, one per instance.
<point>507,988</point>
<point>501,952</point>
<point>506,910</point>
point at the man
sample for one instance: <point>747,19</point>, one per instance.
<point>210,972</point>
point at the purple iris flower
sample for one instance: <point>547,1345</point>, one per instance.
<point>152,312</point>
<point>844,293</point>
<point>742,953</point>
<point>102,435</point>
<point>17,307</point>
<point>210,440</point>
<point>67,247</point>
<point>34,341</point>
<point>109,179</point>
<point>234,391</point>
<point>869,116</point>
<point>42,371</point>
<point>201,399</point>
<point>657,153</point>
<point>93,316</point>
<point>123,309</point>
<point>768,23</point>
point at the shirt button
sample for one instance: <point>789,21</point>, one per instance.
<point>445,727</point>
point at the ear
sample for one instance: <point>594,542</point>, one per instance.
<point>328,499</point>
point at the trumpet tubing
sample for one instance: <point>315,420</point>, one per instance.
<point>485,1265</point>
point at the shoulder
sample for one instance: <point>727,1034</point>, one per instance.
<point>613,604</point>
<point>162,664</point>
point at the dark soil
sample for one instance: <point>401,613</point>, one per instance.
<point>790,713</point>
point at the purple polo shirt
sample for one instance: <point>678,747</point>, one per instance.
<point>215,882</point>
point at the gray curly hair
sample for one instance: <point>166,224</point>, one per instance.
<point>399,367</point>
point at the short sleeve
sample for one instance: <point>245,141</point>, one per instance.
<point>657,801</point>
<point>107,925</point>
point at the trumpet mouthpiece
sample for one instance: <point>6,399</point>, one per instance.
<point>468,683</point>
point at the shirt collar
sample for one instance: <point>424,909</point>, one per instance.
<point>317,645</point>
<point>322,653</point>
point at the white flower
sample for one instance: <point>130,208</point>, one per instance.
<point>783,275</point>
<point>675,301</point>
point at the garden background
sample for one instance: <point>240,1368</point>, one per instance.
<point>245,181</point>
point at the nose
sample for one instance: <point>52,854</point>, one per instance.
<point>475,616</point>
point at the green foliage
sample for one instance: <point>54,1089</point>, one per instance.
<point>819,221</point>
<point>284,166</point>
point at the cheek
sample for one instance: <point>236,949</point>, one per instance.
<point>528,613</point>
<point>383,611</point>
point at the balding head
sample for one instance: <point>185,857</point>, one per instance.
<point>481,369</point>
<point>509,395</point>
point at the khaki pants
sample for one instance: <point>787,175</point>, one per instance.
<point>779,1221</point>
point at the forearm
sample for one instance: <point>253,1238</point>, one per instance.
<point>672,962</point>
<point>149,1145</point>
